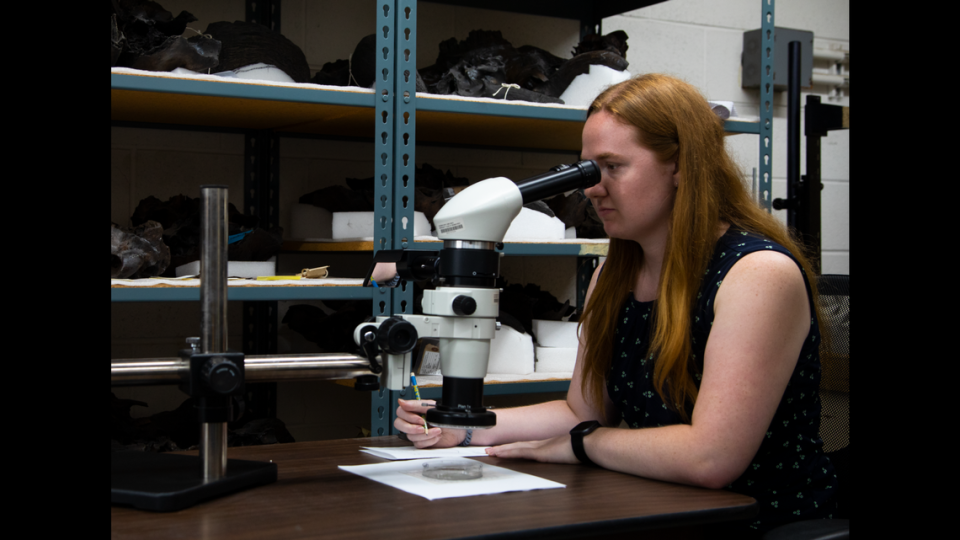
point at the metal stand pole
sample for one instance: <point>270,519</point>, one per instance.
<point>166,482</point>
<point>793,134</point>
<point>213,306</point>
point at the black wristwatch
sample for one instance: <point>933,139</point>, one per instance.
<point>576,439</point>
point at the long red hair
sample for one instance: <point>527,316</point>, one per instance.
<point>673,120</point>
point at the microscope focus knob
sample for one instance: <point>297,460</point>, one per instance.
<point>464,305</point>
<point>222,375</point>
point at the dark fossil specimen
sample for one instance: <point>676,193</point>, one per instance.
<point>146,36</point>
<point>179,429</point>
<point>333,332</point>
<point>179,218</point>
<point>575,210</point>
<point>358,194</point>
<point>247,43</point>
<point>487,65</point>
<point>360,69</point>
<point>482,64</point>
<point>138,252</point>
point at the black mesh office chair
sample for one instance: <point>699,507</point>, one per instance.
<point>835,410</point>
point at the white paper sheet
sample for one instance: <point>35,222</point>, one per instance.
<point>410,452</point>
<point>408,476</point>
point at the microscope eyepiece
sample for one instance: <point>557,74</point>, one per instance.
<point>561,178</point>
<point>397,336</point>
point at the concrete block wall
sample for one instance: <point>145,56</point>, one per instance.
<point>701,42</point>
<point>698,40</point>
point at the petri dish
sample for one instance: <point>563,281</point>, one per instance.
<point>444,469</point>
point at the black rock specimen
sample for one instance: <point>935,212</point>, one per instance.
<point>116,40</point>
<point>480,69</point>
<point>246,43</point>
<point>138,252</point>
<point>179,429</point>
<point>336,73</point>
<point>197,53</point>
<point>363,61</point>
<point>482,64</point>
<point>578,65</point>
<point>614,41</point>
<point>487,65</point>
<point>541,207</point>
<point>358,194</point>
<point>148,37</point>
<point>532,66</point>
<point>577,211</point>
<point>179,218</point>
<point>527,302</point>
<point>259,245</point>
<point>358,70</point>
<point>332,333</point>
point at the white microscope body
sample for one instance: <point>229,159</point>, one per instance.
<point>462,310</point>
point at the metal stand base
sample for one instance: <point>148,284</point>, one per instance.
<point>168,482</point>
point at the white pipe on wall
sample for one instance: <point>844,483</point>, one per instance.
<point>832,80</point>
<point>827,54</point>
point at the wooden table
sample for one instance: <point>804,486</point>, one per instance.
<point>312,498</point>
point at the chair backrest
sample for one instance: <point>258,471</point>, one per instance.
<point>835,361</point>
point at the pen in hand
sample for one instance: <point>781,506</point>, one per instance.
<point>416,391</point>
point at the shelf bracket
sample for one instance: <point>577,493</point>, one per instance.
<point>765,176</point>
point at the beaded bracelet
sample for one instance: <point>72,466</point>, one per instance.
<point>466,440</point>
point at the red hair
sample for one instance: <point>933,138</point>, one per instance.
<point>673,120</point>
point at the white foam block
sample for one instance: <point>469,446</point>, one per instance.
<point>360,225</point>
<point>586,87</point>
<point>510,352</point>
<point>533,225</point>
<point>309,221</point>
<point>555,359</point>
<point>244,269</point>
<point>555,333</point>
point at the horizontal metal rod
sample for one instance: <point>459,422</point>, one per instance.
<point>267,368</point>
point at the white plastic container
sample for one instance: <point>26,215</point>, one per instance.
<point>244,269</point>
<point>555,359</point>
<point>347,225</point>
<point>555,333</point>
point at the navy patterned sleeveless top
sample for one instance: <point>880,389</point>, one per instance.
<point>790,476</point>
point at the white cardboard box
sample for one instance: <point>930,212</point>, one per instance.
<point>555,359</point>
<point>511,352</point>
<point>555,333</point>
<point>534,225</point>
<point>360,225</point>
<point>245,269</point>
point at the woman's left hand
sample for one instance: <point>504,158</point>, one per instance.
<point>555,450</point>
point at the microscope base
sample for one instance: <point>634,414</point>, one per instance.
<point>169,482</point>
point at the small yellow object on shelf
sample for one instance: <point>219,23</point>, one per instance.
<point>315,273</point>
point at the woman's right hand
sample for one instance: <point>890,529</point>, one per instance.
<point>410,420</point>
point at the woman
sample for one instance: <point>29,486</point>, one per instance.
<point>700,327</point>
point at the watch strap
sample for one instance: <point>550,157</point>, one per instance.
<point>576,440</point>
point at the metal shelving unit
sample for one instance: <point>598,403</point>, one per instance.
<point>399,118</point>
